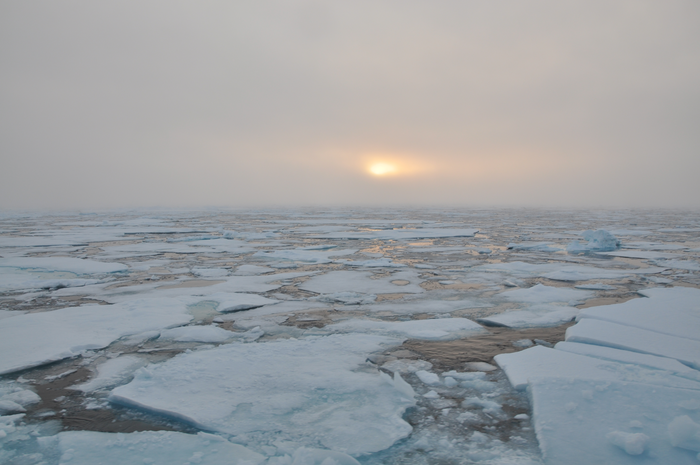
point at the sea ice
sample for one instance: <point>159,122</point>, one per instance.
<point>303,255</point>
<point>68,332</point>
<point>533,317</point>
<point>208,334</point>
<point>598,241</point>
<point>357,281</point>
<point>592,331</point>
<point>541,294</point>
<point>585,421</point>
<point>150,448</point>
<point>540,361</point>
<point>534,246</point>
<point>73,265</point>
<point>625,356</point>
<point>400,234</point>
<point>673,311</point>
<point>237,301</point>
<point>431,329</point>
<point>311,391</point>
<point>112,372</point>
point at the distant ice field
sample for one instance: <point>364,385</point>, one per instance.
<point>326,337</point>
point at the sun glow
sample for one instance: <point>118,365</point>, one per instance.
<point>382,169</point>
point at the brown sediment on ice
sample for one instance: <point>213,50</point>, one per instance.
<point>316,319</point>
<point>452,355</point>
<point>60,403</point>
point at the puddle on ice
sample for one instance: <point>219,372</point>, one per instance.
<point>415,316</point>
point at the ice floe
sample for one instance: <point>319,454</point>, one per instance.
<point>357,281</point>
<point>272,391</point>
<point>151,448</point>
<point>68,332</point>
<point>434,329</point>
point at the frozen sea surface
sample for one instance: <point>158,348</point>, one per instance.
<point>327,337</point>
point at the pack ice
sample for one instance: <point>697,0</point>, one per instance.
<point>624,388</point>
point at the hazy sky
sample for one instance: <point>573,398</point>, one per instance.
<point>254,103</point>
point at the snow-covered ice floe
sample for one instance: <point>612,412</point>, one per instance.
<point>312,392</point>
<point>68,332</point>
<point>623,388</point>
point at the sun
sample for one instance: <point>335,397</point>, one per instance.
<point>382,169</point>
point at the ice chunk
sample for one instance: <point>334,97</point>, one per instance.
<point>73,265</point>
<point>308,390</point>
<point>36,338</point>
<point>377,263</point>
<point>598,241</point>
<point>407,366</point>
<point>252,270</point>
<point>523,343</point>
<point>210,272</point>
<point>673,311</point>
<point>590,331</point>
<point>8,406</point>
<point>356,281</point>
<point>431,379</point>
<point>632,443</point>
<point>111,373</point>
<point>151,448</point>
<point>235,302</point>
<point>541,294</point>
<point>479,366</point>
<point>684,433</point>
<point>535,316</point>
<point>534,246</point>
<point>211,334</point>
<point>438,328</point>
<point>303,255</point>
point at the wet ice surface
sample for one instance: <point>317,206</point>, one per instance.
<point>340,336</point>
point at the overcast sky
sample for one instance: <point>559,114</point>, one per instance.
<point>275,103</point>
